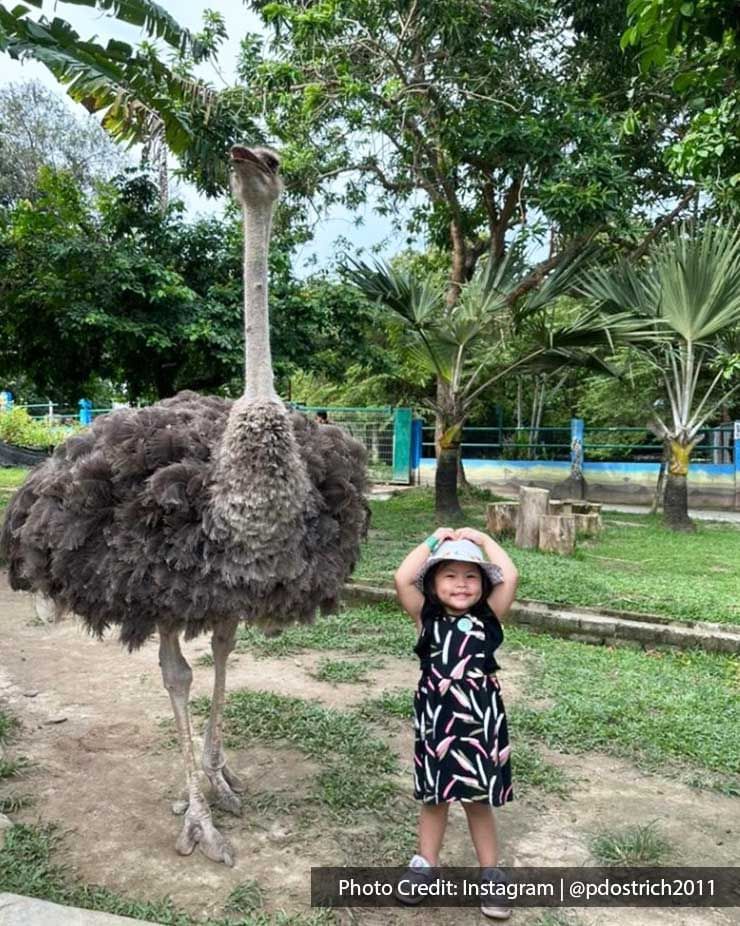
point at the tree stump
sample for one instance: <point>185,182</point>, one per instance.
<point>588,524</point>
<point>501,518</point>
<point>557,533</point>
<point>578,507</point>
<point>532,504</point>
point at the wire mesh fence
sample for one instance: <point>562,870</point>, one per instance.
<point>372,426</point>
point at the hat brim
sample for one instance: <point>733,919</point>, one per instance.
<point>494,572</point>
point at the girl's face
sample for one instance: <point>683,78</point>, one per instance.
<point>458,586</point>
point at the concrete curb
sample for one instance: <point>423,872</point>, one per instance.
<point>16,910</point>
<point>590,625</point>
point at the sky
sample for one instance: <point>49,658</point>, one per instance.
<point>89,23</point>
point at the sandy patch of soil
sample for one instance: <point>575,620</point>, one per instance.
<point>91,717</point>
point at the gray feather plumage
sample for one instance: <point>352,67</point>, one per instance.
<point>190,511</point>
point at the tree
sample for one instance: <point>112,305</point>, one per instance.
<point>108,286</point>
<point>688,292</point>
<point>693,49</point>
<point>473,116</point>
<point>38,129</point>
<point>477,342</point>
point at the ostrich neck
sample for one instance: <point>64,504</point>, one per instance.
<point>257,357</point>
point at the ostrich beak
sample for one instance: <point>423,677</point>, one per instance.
<point>241,154</point>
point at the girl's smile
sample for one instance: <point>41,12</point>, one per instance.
<point>458,586</point>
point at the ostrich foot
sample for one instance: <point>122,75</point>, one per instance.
<point>226,788</point>
<point>198,830</point>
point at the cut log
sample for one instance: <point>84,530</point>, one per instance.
<point>532,504</point>
<point>557,533</point>
<point>501,518</point>
<point>588,524</point>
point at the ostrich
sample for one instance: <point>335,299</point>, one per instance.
<point>195,513</point>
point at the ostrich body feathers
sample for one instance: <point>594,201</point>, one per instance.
<point>190,511</point>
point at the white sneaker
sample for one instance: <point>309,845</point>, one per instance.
<point>419,871</point>
<point>492,875</point>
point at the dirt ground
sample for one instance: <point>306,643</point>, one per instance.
<point>92,714</point>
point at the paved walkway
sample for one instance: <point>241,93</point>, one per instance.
<point>699,514</point>
<point>16,910</point>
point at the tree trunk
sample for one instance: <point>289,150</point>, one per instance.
<point>448,431</point>
<point>462,479</point>
<point>533,502</point>
<point>657,503</point>
<point>675,501</point>
<point>445,484</point>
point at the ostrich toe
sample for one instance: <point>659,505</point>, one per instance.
<point>198,830</point>
<point>226,787</point>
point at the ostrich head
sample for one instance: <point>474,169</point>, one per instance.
<point>254,176</point>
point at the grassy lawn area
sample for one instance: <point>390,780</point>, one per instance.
<point>636,564</point>
<point>655,707</point>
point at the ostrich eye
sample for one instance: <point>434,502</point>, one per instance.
<point>270,161</point>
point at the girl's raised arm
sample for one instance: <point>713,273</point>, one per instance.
<point>409,596</point>
<point>503,594</point>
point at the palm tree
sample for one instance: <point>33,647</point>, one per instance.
<point>461,345</point>
<point>688,293</point>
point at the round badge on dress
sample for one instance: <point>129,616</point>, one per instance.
<point>465,624</point>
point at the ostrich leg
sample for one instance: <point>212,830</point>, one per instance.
<point>223,781</point>
<point>198,829</point>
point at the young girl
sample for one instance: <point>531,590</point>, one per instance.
<point>456,597</point>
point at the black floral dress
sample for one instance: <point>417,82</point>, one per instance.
<point>461,750</point>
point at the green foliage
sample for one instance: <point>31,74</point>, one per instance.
<point>685,295</point>
<point>112,289</point>
<point>697,46</point>
<point>483,111</point>
<point>19,428</point>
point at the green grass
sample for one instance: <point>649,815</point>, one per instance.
<point>639,569</point>
<point>13,768</point>
<point>630,846</point>
<point>355,765</point>
<point>8,726</point>
<point>657,708</point>
<point>345,671</point>
<point>652,707</point>
<point>374,630</point>
<point>28,867</point>
<point>11,476</point>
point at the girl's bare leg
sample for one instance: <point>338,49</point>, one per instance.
<point>432,826</point>
<point>483,832</point>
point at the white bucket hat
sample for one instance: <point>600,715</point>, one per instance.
<point>463,551</point>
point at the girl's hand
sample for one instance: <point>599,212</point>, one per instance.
<point>444,533</point>
<point>470,533</point>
